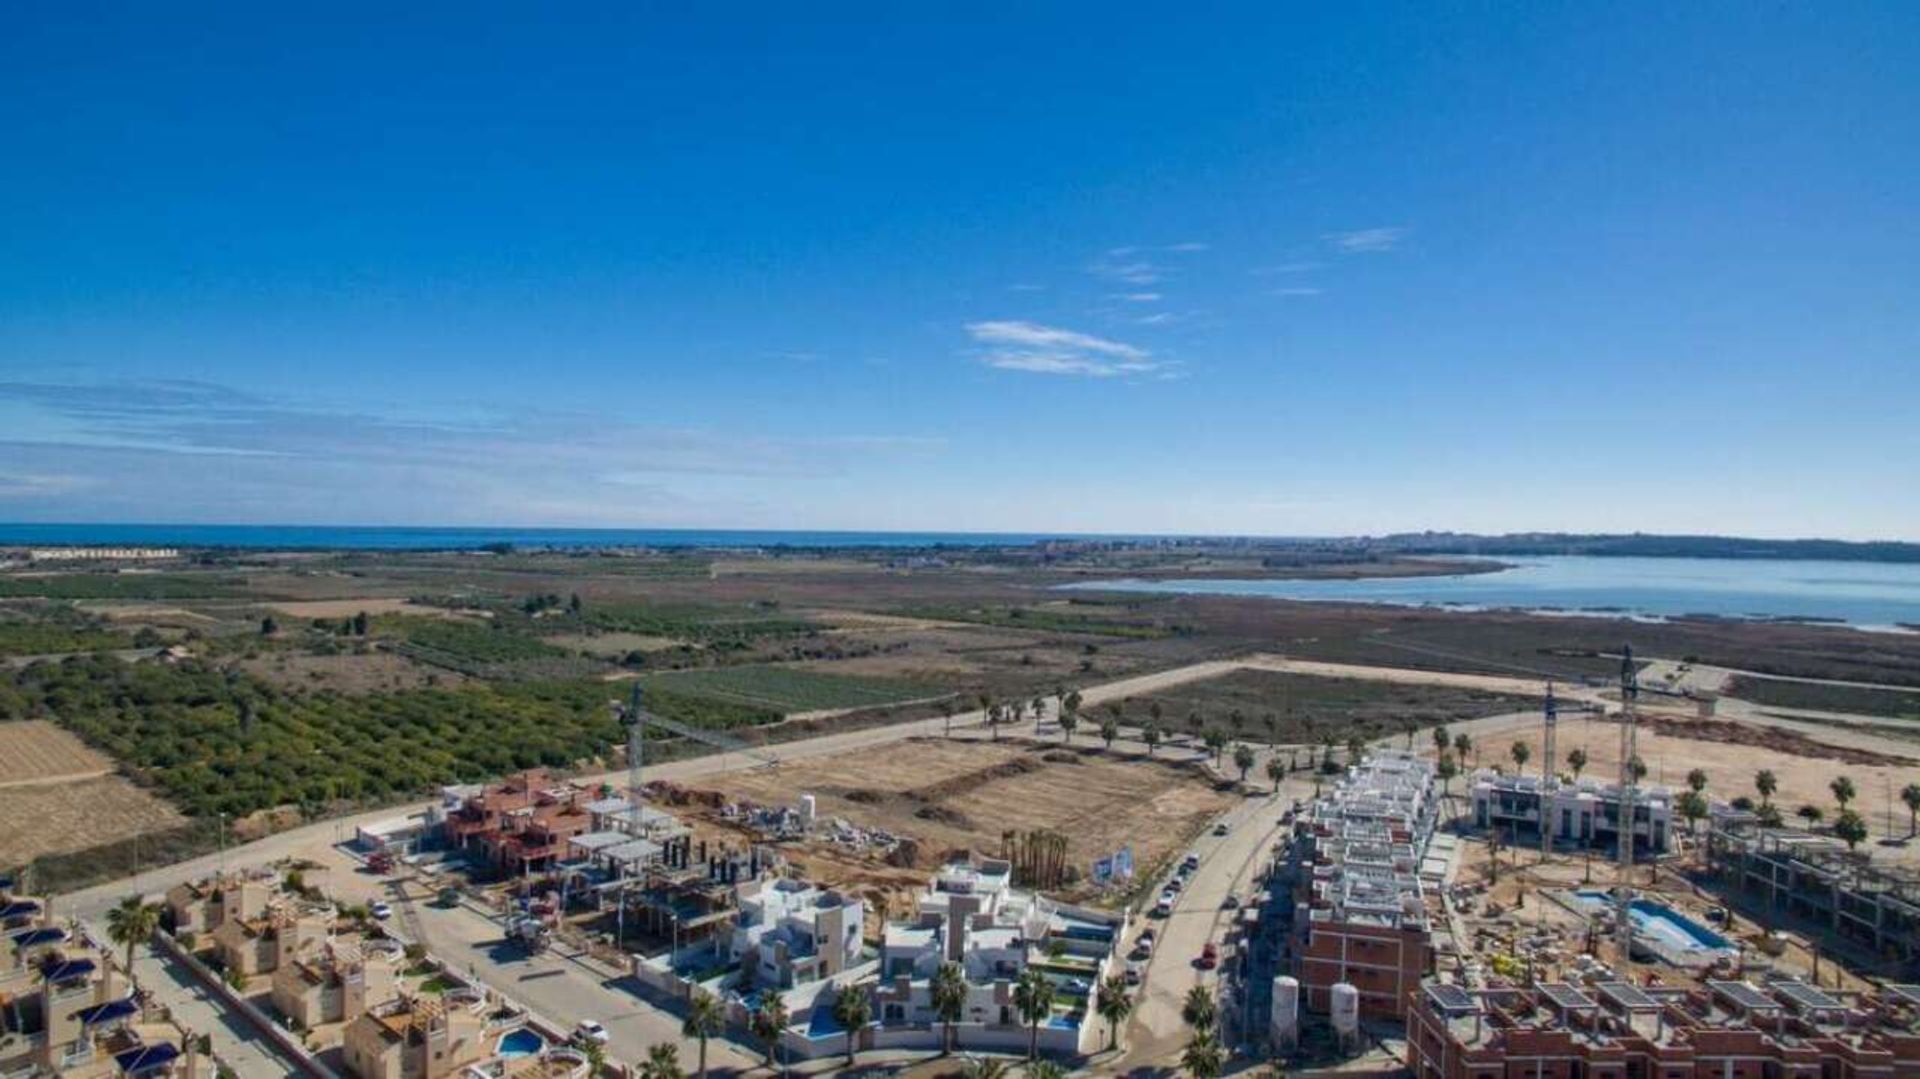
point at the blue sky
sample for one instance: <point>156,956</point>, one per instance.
<point>1236,268</point>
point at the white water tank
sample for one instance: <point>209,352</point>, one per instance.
<point>1344,1011</point>
<point>1285,1021</point>
<point>807,809</point>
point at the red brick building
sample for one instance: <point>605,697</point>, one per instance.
<point>523,824</point>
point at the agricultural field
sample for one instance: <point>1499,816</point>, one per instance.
<point>1859,700</point>
<point>788,689</point>
<point>25,635</point>
<point>1065,616</point>
<point>1309,709</point>
<point>36,751</point>
<point>121,585</point>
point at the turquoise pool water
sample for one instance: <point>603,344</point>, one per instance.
<point>521,1043</point>
<point>1661,923</point>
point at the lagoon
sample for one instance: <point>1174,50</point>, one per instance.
<point>1868,595</point>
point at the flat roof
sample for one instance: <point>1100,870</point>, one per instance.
<point>1744,995</point>
<point>1451,998</point>
<point>1627,995</point>
<point>1806,997</point>
<point>1567,998</point>
<point>593,841</point>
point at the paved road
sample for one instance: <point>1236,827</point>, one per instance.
<point>195,1008</point>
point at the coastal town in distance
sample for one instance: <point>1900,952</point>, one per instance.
<point>994,541</point>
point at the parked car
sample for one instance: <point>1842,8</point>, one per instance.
<point>589,1030</point>
<point>1209,957</point>
<point>1147,936</point>
<point>1143,948</point>
<point>1174,884</point>
<point>1164,908</point>
<point>1133,975</point>
<point>380,909</point>
<point>1190,863</point>
<point>1232,902</point>
<point>1221,828</point>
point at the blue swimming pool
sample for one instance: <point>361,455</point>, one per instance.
<point>1667,930</point>
<point>521,1043</point>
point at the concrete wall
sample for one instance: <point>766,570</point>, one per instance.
<point>289,1048</point>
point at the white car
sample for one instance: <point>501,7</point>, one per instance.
<point>588,1030</point>
<point>381,910</point>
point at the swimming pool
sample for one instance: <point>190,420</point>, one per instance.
<point>520,1043</point>
<point>1664,931</point>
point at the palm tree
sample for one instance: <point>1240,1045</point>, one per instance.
<point>1151,736</point>
<point>1461,744</point>
<point>949,990</point>
<point>1156,712</point>
<point>663,1062</point>
<point>131,923</point>
<point>1033,999</point>
<point>1521,753</point>
<point>769,1019</point>
<point>1202,1057</point>
<point>1068,721</point>
<point>1446,770</point>
<point>1272,723</point>
<point>1843,791</point>
<point>1215,741</point>
<point>1910,795</point>
<point>1850,827</point>
<point>1766,783</point>
<point>1276,771</point>
<point>705,1017</point>
<point>1693,806</point>
<point>1577,760</point>
<point>852,1010</point>
<point>1639,769</point>
<point>1114,1005</point>
<point>1809,813</point>
<point>1109,730</point>
<point>1441,740</point>
<point>1072,702</point>
<point>1237,720</point>
<point>1045,1069</point>
<point>1243,760</point>
<point>1198,1010</point>
<point>1356,748</point>
<point>1697,780</point>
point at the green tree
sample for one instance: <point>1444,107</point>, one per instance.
<point>1693,806</point>
<point>949,991</point>
<point>360,624</point>
<point>1202,1057</point>
<point>1045,1069</point>
<point>1216,742</point>
<point>1843,791</point>
<point>1109,730</point>
<point>705,1018</point>
<point>1521,753</point>
<point>1639,769</point>
<point>769,1019</point>
<point>1151,736</point>
<point>1272,723</point>
<point>852,1010</point>
<point>1697,780</point>
<point>1446,770</point>
<point>1198,1010</point>
<point>1356,749</point>
<point>1769,816</point>
<point>663,1062</point>
<point>1910,797</point>
<point>1766,783</point>
<point>1810,813</point>
<point>1577,760</point>
<point>1068,721</point>
<point>1243,760</point>
<point>132,922</point>
<point>1033,999</point>
<point>1461,744</point>
<point>1276,771</point>
<point>1441,739</point>
<point>269,627</point>
<point>1113,1004</point>
<point>1850,827</point>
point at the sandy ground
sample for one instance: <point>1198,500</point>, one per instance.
<point>75,814</point>
<point>34,750</point>
<point>347,608</point>
<point>614,644</point>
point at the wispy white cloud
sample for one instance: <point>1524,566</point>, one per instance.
<point>1140,297</point>
<point>1015,345</point>
<point>1366,241</point>
<point>1135,264</point>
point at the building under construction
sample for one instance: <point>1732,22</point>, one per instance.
<point>1727,1029</point>
<point>1814,880</point>
<point>1363,911</point>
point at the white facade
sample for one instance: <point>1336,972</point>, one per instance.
<point>790,932</point>
<point>1579,813</point>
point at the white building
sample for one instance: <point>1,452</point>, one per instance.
<point>1579,813</point>
<point>791,932</point>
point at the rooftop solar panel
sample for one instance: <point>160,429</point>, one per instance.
<point>1743,996</point>
<point>1627,995</point>
<point>1451,998</point>
<point>1567,998</point>
<point>1806,997</point>
<point>1908,993</point>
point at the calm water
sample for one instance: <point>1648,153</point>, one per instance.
<point>1867,594</point>
<point>304,537</point>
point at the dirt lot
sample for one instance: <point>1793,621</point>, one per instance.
<point>373,605</point>
<point>959,796</point>
<point>36,751</point>
<point>1308,708</point>
<point>613,645</point>
<point>77,814</point>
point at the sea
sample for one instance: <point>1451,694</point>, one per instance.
<point>1866,595</point>
<point>405,538</point>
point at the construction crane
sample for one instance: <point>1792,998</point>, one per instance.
<point>636,718</point>
<point>1548,747</point>
<point>1629,782</point>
